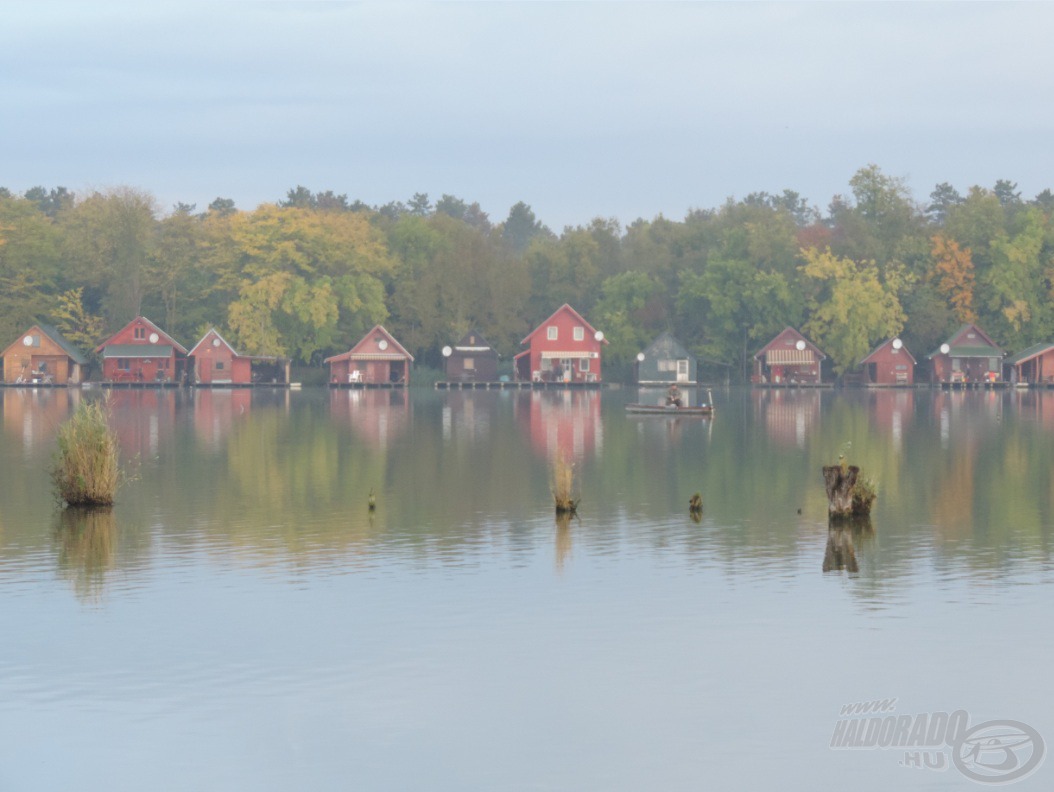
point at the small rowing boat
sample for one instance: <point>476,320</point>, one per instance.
<point>668,410</point>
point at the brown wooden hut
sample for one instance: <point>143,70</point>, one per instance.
<point>41,356</point>
<point>377,360</point>
<point>472,359</point>
<point>788,359</point>
<point>968,357</point>
<point>889,364</point>
<point>1033,366</point>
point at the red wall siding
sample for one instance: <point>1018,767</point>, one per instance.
<point>565,322</point>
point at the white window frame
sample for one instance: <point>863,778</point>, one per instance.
<point>552,333</point>
<point>580,334</point>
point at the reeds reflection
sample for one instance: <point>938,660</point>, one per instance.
<point>87,540</point>
<point>563,540</point>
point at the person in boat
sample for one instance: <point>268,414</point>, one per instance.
<point>673,397</point>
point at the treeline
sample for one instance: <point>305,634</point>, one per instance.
<point>306,276</point>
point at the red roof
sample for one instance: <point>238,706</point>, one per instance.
<point>143,320</point>
<point>780,342</point>
<point>365,350</point>
<point>575,314</point>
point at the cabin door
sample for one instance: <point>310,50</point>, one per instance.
<point>682,370</point>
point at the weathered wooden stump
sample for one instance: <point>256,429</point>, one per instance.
<point>695,507</point>
<point>839,482</point>
<point>848,495</point>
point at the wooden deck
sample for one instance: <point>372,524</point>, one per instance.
<point>518,385</point>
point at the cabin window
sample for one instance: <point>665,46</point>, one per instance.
<point>894,350</point>
<point>551,333</point>
<point>956,364</point>
<point>971,335</point>
<point>583,364</point>
<point>993,364</point>
<point>124,364</point>
<point>139,333</point>
<point>468,364</point>
<point>580,333</point>
<point>219,365</point>
<point>901,368</point>
<point>667,365</point>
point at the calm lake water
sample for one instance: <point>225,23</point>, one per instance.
<point>241,620</point>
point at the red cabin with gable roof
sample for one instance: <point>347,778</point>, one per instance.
<point>564,348</point>
<point>142,353</point>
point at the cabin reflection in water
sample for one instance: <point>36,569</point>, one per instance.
<point>789,416</point>
<point>377,416</point>
<point>467,415</point>
<point>34,415</point>
<point>144,419</point>
<point>893,413</point>
<point>215,412</point>
<point>561,422</point>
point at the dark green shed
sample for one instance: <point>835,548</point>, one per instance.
<point>666,361</point>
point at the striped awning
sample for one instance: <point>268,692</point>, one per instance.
<point>376,356</point>
<point>568,355</point>
<point>789,357</point>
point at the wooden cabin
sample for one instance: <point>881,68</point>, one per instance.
<point>377,360</point>
<point>1033,366</point>
<point>788,359</point>
<point>969,356</point>
<point>213,361</point>
<point>142,353</point>
<point>564,348</point>
<point>472,359</point>
<point>666,361</point>
<point>41,356</point>
<point>890,364</point>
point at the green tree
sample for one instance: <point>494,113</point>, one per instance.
<point>110,238</point>
<point>621,313</point>
<point>1016,290</point>
<point>736,306</point>
<point>29,265</point>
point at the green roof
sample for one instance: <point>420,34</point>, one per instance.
<point>975,351</point>
<point>1033,351</point>
<point>75,354</point>
<point>137,351</point>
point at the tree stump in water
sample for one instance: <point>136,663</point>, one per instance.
<point>847,494</point>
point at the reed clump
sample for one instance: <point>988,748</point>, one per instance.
<point>562,485</point>
<point>87,470</point>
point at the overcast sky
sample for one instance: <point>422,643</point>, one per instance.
<point>581,110</point>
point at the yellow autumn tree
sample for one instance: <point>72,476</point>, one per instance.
<point>853,306</point>
<point>306,281</point>
<point>953,275</point>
